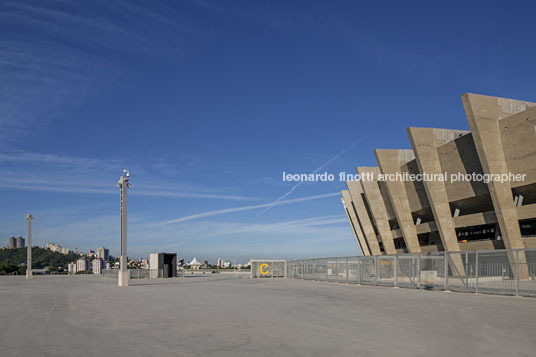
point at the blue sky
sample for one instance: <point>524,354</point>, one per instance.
<point>208,102</point>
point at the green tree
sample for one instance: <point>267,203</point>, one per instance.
<point>41,258</point>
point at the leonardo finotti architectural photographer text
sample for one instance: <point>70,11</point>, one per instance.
<point>405,176</point>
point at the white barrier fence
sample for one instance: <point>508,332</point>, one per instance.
<point>134,273</point>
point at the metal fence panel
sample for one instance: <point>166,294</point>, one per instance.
<point>407,275</point>
<point>431,271</point>
<point>368,270</point>
<point>526,272</point>
<point>495,272</point>
<point>269,268</point>
<point>459,270</point>
<point>386,270</point>
<point>353,270</point>
<point>332,269</point>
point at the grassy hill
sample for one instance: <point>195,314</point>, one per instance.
<point>11,259</point>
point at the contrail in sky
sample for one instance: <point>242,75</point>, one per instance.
<point>293,188</point>
<point>246,208</point>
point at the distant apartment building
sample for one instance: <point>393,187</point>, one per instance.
<point>53,247</point>
<point>71,268</point>
<point>82,264</point>
<point>220,263</point>
<point>97,265</point>
<point>103,253</point>
<point>20,242</point>
<point>12,243</point>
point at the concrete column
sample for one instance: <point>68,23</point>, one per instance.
<point>390,162</point>
<point>483,114</point>
<point>360,238</point>
<point>356,192</point>
<point>377,206</point>
<point>124,275</point>
<point>425,142</point>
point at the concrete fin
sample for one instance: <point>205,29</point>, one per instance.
<point>350,213</point>
<point>377,206</point>
<point>483,114</point>
<point>390,162</point>
<point>355,189</point>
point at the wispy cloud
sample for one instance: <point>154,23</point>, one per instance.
<point>56,55</point>
<point>321,167</point>
<point>313,236</point>
<point>35,171</point>
<point>293,228</point>
<point>109,188</point>
<point>26,157</point>
<point>247,208</point>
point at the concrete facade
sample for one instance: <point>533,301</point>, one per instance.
<point>82,264</point>
<point>20,242</point>
<point>455,215</point>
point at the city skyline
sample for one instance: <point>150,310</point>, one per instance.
<point>208,104</point>
<point>104,253</point>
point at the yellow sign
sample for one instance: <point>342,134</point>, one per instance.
<point>263,269</point>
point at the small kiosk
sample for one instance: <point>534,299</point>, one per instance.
<point>165,262</point>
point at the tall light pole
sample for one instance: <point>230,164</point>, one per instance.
<point>29,218</point>
<point>123,269</point>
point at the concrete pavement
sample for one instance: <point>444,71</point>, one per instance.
<point>222,315</point>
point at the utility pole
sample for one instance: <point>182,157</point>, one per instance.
<point>123,269</point>
<point>29,218</point>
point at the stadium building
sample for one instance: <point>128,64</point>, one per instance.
<point>486,201</point>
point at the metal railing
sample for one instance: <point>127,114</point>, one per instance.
<point>134,273</point>
<point>507,271</point>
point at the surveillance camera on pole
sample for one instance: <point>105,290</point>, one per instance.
<point>123,269</point>
<point>29,218</point>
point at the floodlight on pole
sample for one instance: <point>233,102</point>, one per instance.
<point>29,218</point>
<point>123,184</point>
